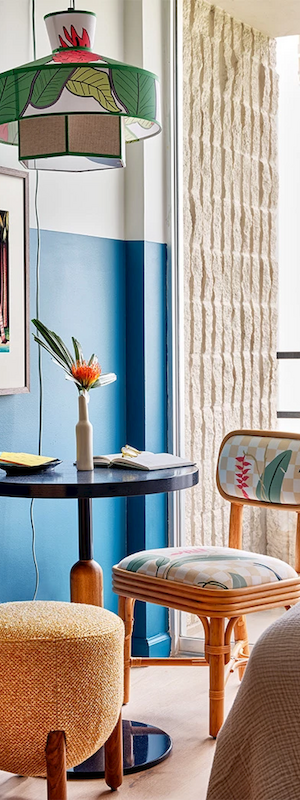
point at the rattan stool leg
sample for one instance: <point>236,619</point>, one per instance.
<point>114,757</point>
<point>216,675</point>
<point>56,766</point>
<point>126,607</point>
<point>240,633</point>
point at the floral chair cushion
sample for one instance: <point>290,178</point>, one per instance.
<point>261,468</point>
<point>208,567</point>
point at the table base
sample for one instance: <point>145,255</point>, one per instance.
<point>143,747</point>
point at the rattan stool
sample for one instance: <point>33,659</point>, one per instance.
<point>220,585</point>
<point>61,689</point>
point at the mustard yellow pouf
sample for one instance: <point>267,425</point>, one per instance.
<point>61,669</point>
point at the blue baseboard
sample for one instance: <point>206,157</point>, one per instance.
<point>157,646</point>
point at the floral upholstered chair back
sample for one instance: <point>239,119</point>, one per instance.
<point>260,467</point>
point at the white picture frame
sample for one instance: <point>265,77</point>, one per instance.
<point>14,282</point>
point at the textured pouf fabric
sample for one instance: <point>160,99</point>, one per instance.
<point>61,668</point>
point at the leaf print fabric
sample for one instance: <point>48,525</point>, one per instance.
<point>209,567</point>
<point>270,482</point>
<point>131,91</point>
<point>89,82</point>
<point>48,86</point>
<point>260,468</point>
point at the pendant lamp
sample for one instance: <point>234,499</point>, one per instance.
<point>75,110</point>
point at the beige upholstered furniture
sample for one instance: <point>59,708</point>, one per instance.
<point>61,689</point>
<point>257,752</point>
<point>222,584</point>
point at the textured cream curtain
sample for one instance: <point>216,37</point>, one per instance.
<point>230,201</point>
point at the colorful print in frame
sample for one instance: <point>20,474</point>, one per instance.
<point>14,282</point>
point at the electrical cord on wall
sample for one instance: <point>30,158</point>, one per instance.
<point>37,312</point>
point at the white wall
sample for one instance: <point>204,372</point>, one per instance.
<point>94,203</point>
<point>147,27</point>
<point>289,227</point>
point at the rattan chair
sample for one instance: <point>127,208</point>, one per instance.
<point>61,688</point>
<point>222,584</point>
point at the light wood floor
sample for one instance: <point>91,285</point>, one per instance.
<point>176,700</point>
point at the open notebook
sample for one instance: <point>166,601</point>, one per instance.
<point>144,459</point>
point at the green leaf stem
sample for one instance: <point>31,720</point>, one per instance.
<point>54,353</point>
<point>216,584</point>
<point>77,350</point>
<point>55,358</point>
<point>161,562</point>
<point>238,582</point>
<point>67,355</point>
<point>57,347</point>
<point>270,482</point>
<point>266,566</point>
<point>96,385</point>
<point>136,563</point>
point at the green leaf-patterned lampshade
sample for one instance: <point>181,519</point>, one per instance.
<point>75,110</point>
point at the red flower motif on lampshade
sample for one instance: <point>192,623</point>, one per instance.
<point>74,39</point>
<point>71,55</point>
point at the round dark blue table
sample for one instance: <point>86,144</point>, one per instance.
<point>144,745</point>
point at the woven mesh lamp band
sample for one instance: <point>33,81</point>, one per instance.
<point>75,110</point>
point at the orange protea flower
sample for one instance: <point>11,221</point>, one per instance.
<point>86,374</point>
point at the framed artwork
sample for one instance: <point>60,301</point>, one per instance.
<point>14,282</point>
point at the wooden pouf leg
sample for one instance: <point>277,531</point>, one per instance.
<point>56,766</point>
<point>215,652</point>
<point>114,757</point>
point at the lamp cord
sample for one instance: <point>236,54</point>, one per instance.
<point>33,29</point>
<point>37,311</point>
<point>37,308</point>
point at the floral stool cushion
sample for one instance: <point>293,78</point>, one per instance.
<point>209,567</point>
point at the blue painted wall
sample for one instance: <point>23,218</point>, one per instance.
<point>146,347</point>
<point>82,293</point>
<point>111,295</point>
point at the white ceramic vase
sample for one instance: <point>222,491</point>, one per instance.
<point>84,437</point>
